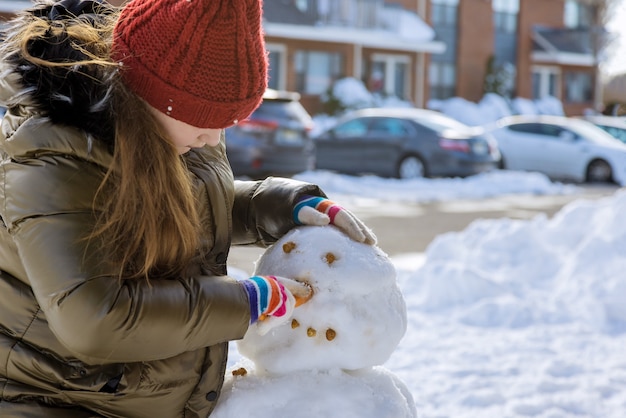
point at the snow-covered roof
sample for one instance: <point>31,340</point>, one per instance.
<point>562,46</point>
<point>395,28</point>
<point>373,38</point>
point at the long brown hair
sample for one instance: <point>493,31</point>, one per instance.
<point>149,217</point>
<point>145,207</point>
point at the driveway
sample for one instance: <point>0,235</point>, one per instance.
<point>410,228</point>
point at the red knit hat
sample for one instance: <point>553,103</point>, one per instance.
<point>202,62</point>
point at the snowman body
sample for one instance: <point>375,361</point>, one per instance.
<point>340,338</point>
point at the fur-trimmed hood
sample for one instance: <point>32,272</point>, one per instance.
<point>78,95</point>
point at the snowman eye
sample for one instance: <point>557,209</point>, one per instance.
<point>289,247</point>
<point>330,334</point>
<point>330,258</point>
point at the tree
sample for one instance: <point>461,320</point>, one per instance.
<point>601,13</point>
<point>499,79</point>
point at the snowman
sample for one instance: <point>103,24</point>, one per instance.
<point>326,362</point>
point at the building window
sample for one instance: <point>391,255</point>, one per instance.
<point>578,15</point>
<point>388,75</point>
<point>579,87</point>
<point>546,82</point>
<point>274,75</point>
<point>317,70</point>
<point>401,75</point>
<point>442,80</point>
<point>277,70</point>
<point>444,12</point>
<point>505,15</point>
<point>442,68</point>
<point>376,77</point>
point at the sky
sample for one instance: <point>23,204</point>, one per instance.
<point>507,318</point>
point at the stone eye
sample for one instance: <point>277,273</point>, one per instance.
<point>330,258</point>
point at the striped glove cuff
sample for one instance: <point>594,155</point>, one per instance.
<point>319,211</point>
<point>267,297</point>
<point>320,204</point>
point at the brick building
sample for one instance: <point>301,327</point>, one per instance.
<point>430,49</point>
<point>546,45</point>
<point>314,42</point>
<point>540,47</point>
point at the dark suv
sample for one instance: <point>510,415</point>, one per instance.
<point>274,140</point>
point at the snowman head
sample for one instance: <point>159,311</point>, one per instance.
<point>356,317</point>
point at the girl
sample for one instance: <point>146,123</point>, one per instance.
<point>118,207</point>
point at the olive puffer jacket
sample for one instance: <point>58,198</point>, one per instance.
<point>74,340</point>
<point>71,334</point>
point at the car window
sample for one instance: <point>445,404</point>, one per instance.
<point>525,128</point>
<point>537,129</point>
<point>554,131</point>
<point>352,128</point>
<point>388,127</point>
<point>618,133</point>
<point>592,133</point>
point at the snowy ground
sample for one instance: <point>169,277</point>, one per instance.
<point>359,190</point>
<point>508,318</point>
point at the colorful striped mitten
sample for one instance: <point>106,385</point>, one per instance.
<point>273,299</point>
<point>315,210</point>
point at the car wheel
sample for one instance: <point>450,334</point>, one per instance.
<point>502,163</point>
<point>599,171</point>
<point>411,167</point>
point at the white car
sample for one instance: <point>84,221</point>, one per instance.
<point>560,147</point>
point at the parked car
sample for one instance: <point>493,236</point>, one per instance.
<point>404,143</point>
<point>274,140</point>
<point>615,126</point>
<point>562,148</point>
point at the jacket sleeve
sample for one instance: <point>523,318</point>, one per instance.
<point>262,212</point>
<point>96,316</point>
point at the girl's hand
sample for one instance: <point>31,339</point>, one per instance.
<point>273,300</point>
<point>314,210</point>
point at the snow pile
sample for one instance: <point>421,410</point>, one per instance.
<point>407,24</point>
<point>336,342</point>
<point>493,107</point>
<point>518,273</point>
<point>520,318</point>
<point>350,93</point>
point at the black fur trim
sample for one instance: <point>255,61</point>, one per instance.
<point>79,95</point>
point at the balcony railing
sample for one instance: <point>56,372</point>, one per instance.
<point>363,14</point>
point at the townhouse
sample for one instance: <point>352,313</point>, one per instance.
<point>536,47</point>
<point>419,50</point>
